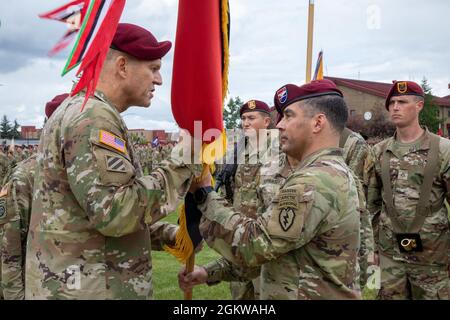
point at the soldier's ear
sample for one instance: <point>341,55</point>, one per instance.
<point>420,104</point>
<point>122,65</point>
<point>319,121</point>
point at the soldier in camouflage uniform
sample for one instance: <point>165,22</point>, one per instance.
<point>4,167</point>
<point>16,199</point>
<point>307,242</point>
<point>357,153</point>
<point>92,207</point>
<point>410,181</point>
<point>256,166</point>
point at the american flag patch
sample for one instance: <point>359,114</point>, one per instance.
<point>112,140</point>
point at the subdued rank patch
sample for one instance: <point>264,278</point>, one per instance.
<point>2,208</point>
<point>402,175</point>
<point>116,164</point>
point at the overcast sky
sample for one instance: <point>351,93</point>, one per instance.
<point>377,40</point>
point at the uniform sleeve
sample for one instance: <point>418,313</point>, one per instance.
<point>374,197</point>
<point>223,270</point>
<point>103,179</point>
<point>162,234</point>
<point>356,158</point>
<point>252,242</point>
<point>13,254</point>
<point>367,246</point>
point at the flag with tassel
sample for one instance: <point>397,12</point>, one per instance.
<point>199,86</point>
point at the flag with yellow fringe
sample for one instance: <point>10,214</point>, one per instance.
<point>199,86</point>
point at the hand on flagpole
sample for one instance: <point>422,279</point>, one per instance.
<point>188,280</point>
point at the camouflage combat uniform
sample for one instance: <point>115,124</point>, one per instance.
<point>89,231</point>
<point>248,200</point>
<point>357,153</point>
<point>16,197</point>
<point>412,275</point>
<point>306,243</point>
<point>4,167</point>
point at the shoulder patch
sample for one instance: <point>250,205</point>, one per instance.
<point>290,209</point>
<point>116,164</point>
<point>112,140</point>
<point>2,208</point>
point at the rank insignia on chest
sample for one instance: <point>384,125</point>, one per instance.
<point>403,175</point>
<point>2,208</point>
<point>409,242</point>
<point>112,140</point>
<point>116,164</point>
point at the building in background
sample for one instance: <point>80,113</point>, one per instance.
<point>363,97</point>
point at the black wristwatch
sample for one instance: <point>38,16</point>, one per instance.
<point>201,194</point>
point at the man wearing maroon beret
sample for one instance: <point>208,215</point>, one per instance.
<point>93,221</point>
<point>407,189</point>
<point>307,241</point>
<point>242,192</point>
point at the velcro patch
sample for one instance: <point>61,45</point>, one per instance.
<point>116,164</point>
<point>112,140</point>
<point>2,208</point>
<point>288,215</point>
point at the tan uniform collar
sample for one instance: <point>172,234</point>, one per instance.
<point>424,143</point>
<point>319,154</point>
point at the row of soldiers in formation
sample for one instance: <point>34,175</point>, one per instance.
<point>11,155</point>
<point>150,155</point>
<point>79,219</point>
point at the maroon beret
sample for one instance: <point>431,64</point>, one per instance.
<point>51,106</point>
<point>404,88</point>
<point>139,42</point>
<point>291,93</point>
<point>254,105</point>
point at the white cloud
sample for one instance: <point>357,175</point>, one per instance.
<point>268,45</point>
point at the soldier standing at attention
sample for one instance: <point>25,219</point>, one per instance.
<point>406,195</point>
<point>90,234</point>
<point>307,242</point>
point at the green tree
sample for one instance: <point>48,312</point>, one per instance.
<point>231,115</point>
<point>15,130</point>
<point>429,116</point>
<point>5,128</point>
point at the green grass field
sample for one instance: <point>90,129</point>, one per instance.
<point>165,272</point>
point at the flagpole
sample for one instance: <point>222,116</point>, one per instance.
<point>189,268</point>
<point>310,40</point>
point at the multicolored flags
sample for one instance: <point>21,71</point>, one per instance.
<point>200,67</point>
<point>318,73</point>
<point>71,14</point>
<point>98,26</point>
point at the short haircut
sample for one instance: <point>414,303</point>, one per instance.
<point>333,107</point>
<point>419,98</point>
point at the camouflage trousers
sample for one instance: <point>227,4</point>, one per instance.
<point>404,281</point>
<point>248,290</point>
